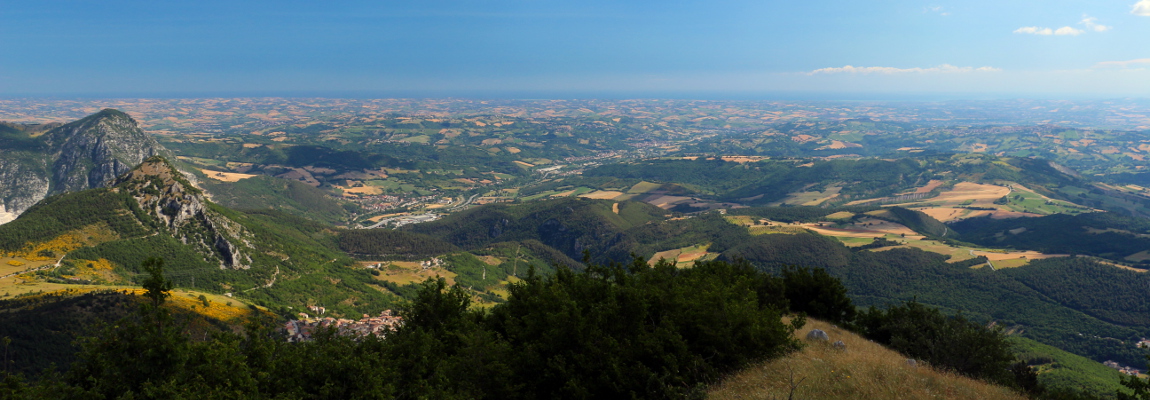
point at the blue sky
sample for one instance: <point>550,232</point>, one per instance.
<point>543,48</point>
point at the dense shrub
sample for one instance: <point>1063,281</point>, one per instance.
<point>620,331</point>
<point>951,343</point>
<point>818,294</point>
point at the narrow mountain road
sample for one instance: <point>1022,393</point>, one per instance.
<point>270,283</point>
<point>987,261</point>
<point>42,267</point>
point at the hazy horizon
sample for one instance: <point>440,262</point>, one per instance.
<point>737,49</point>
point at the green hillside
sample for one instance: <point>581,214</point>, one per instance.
<point>265,192</point>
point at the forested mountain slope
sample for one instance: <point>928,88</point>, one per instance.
<point>103,235</point>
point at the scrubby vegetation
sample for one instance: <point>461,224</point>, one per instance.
<point>263,192</point>
<point>392,243</point>
<point>605,332</point>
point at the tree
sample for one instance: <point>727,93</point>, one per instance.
<point>818,294</point>
<point>950,343</point>
<point>157,288</point>
<point>156,347</point>
<point>1140,386</point>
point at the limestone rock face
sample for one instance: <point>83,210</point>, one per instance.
<point>23,182</point>
<point>97,149</point>
<point>84,154</point>
<point>165,194</point>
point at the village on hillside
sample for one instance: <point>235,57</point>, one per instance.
<point>303,329</point>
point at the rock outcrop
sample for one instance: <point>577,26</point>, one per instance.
<point>84,154</point>
<point>180,208</point>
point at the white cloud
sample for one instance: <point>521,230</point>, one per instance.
<point>1066,30</point>
<point>1123,64</point>
<point>944,68</point>
<point>1063,31</point>
<point>1142,8</point>
<point>1034,30</point>
<point>1091,23</point>
<point>936,10</point>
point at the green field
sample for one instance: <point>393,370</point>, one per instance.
<point>1028,201</point>
<point>643,187</point>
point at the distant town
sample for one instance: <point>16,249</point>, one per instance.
<point>301,330</point>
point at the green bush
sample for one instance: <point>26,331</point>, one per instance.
<point>818,294</point>
<point>950,343</point>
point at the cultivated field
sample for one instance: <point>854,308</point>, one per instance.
<point>933,184</point>
<point>364,190</point>
<point>684,257</point>
<point>810,198</point>
<point>643,187</point>
<point>976,192</point>
<point>602,194</point>
<point>864,228</point>
<point>225,176</point>
<point>405,272</point>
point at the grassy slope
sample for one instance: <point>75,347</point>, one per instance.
<point>1063,370</point>
<point>866,370</point>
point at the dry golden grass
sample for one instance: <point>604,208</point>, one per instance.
<point>840,215</point>
<point>643,187</point>
<point>946,214</point>
<point>1010,263</point>
<point>933,184</point>
<point>367,190</point>
<point>225,176</point>
<point>405,272</point>
<point>742,159</point>
<point>864,371</point>
<point>963,191</point>
<point>1011,255</point>
<point>684,257</point>
<point>602,195</point>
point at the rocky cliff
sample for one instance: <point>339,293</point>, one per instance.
<point>83,154</point>
<point>181,209</point>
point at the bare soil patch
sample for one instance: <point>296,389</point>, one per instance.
<point>933,184</point>
<point>225,176</point>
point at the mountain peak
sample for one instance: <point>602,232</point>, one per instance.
<point>83,154</point>
<point>110,113</point>
<point>97,149</point>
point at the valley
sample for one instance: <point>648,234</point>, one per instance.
<point>352,213</point>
